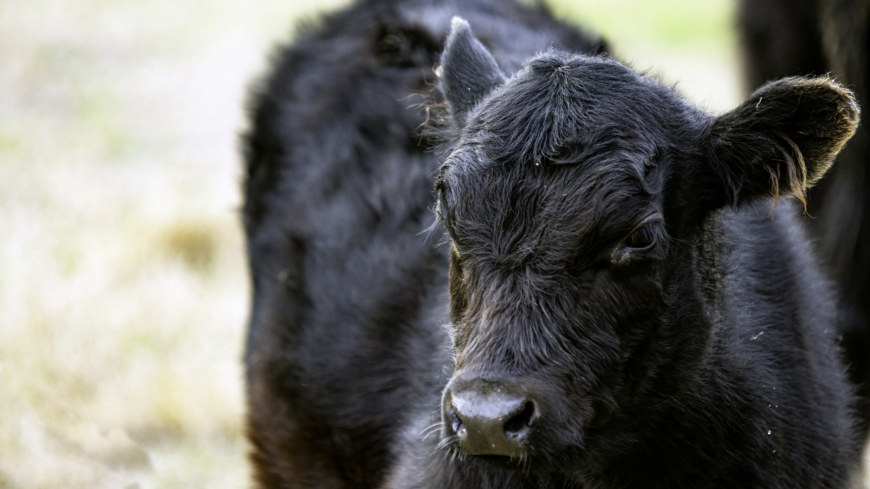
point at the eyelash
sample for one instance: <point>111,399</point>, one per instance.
<point>641,239</point>
<point>637,245</point>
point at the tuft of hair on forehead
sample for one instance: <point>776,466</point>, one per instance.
<point>562,106</point>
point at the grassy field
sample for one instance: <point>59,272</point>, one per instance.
<point>123,292</point>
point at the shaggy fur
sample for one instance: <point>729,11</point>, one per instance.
<point>784,38</point>
<point>614,254</point>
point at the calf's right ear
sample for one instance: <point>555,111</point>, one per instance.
<point>468,71</point>
<point>780,141</point>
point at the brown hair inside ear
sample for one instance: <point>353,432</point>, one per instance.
<point>796,171</point>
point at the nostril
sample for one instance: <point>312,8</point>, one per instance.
<point>456,423</point>
<point>519,424</point>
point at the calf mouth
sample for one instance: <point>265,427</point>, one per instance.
<point>525,464</point>
<point>537,453</point>
<point>503,463</point>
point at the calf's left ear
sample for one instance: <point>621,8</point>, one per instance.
<point>468,71</point>
<point>782,140</point>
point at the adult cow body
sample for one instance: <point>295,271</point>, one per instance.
<point>625,308</point>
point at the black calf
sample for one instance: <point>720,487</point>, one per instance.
<point>629,304</point>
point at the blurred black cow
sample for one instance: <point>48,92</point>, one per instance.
<point>628,306</point>
<point>815,37</point>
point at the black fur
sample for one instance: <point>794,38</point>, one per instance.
<point>783,38</point>
<point>700,355</point>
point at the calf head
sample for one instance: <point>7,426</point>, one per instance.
<point>572,194</point>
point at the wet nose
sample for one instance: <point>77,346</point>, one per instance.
<point>490,418</point>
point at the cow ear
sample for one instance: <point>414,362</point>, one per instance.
<point>782,140</point>
<point>468,71</point>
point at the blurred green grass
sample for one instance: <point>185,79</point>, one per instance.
<point>123,292</point>
<point>674,24</point>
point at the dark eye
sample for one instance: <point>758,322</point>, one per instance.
<point>641,238</point>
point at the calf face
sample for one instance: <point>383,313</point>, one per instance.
<point>573,194</point>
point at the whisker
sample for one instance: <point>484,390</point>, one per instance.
<point>445,443</point>
<point>430,430</point>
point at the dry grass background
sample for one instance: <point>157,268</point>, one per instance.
<point>123,292</point>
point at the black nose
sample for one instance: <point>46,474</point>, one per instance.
<point>489,418</point>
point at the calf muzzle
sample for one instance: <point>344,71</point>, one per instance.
<point>489,418</point>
